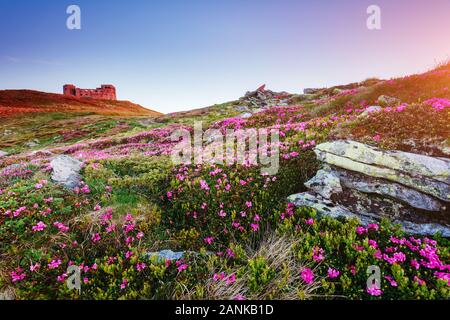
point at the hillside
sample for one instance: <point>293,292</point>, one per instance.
<point>362,179</point>
<point>14,102</point>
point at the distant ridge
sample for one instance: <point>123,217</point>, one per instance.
<point>13,102</point>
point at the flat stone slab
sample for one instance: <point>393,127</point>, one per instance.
<point>385,188</point>
<point>408,163</point>
<point>372,164</point>
<point>327,208</point>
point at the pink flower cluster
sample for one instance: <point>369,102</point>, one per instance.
<point>438,104</point>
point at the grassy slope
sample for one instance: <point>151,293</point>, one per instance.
<point>52,119</point>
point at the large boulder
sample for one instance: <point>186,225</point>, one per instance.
<point>66,171</point>
<point>426,174</point>
<point>362,181</point>
<point>3,154</point>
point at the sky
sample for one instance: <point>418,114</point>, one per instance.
<point>173,55</point>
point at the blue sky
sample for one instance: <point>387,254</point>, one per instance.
<point>176,55</point>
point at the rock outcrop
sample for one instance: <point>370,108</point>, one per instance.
<point>263,98</point>
<point>66,171</point>
<point>363,181</point>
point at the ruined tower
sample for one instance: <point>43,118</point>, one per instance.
<point>105,92</point>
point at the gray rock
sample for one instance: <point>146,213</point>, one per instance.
<point>426,174</point>
<point>370,110</point>
<point>241,108</point>
<point>3,154</point>
<point>258,110</point>
<point>326,183</point>
<point>410,196</point>
<point>311,90</point>
<point>387,101</point>
<point>425,229</point>
<point>32,144</point>
<point>164,255</point>
<point>66,171</point>
<point>7,295</point>
<point>324,207</point>
<point>246,115</point>
<point>327,208</point>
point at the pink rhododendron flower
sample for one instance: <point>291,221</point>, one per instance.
<point>124,284</point>
<point>209,240</point>
<point>218,276</point>
<point>39,227</point>
<point>391,281</point>
<point>374,291</point>
<point>17,275</point>
<point>231,279</point>
<point>230,253</point>
<point>307,276</point>
<point>61,227</point>
<point>141,266</point>
<point>35,267</point>
<point>438,104</point>
<point>376,138</point>
<point>62,277</point>
<point>128,254</point>
<point>318,254</point>
<point>443,276</point>
<point>182,267</point>
<point>419,281</point>
<point>309,221</point>
<point>204,185</point>
<point>333,273</point>
<point>54,264</point>
<point>361,230</point>
<point>96,237</point>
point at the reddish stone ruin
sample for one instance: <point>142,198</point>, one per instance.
<point>105,92</point>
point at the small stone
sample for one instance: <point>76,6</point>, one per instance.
<point>387,101</point>
<point>370,110</point>
<point>66,171</point>
<point>164,255</point>
<point>32,144</point>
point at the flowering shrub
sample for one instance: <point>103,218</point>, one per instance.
<point>341,251</point>
<point>398,128</point>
